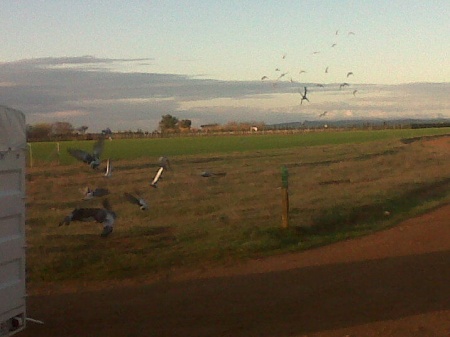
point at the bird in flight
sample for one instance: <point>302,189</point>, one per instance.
<point>326,70</point>
<point>323,114</point>
<point>98,192</point>
<point>351,33</point>
<point>349,73</point>
<point>337,32</point>
<point>282,75</point>
<point>343,85</point>
<point>333,45</point>
<point>316,52</point>
<point>104,215</point>
<point>208,174</point>
<point>92,159</point>
<point>164,163</point>
<point>354,92</point>
<point>303,96</point>
<point>137,200</point>
<point>264,78</point>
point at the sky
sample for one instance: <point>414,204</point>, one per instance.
<point>124,64</point>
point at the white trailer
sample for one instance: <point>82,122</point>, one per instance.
<point>13,148</point>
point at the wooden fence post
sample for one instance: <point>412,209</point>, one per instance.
<point>284,198</point>
<point>30,155</point>
<point>57,152</point>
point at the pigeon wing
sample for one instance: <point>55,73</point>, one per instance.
<point>106,204</point>
<point>131,198</point>
<point>157,176</point>
<point>108,171</point>
<point>100,192</point>
<point>80,155</point>
<point>98,147</point>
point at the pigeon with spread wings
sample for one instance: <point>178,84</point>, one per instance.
<point>92,159</point>
<point>104,215</point>
<point>303,96</point>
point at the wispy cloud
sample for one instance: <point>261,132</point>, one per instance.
<point>62,114</point>
<point>91,91</point>
<point>46,62</point>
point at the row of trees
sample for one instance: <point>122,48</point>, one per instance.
<point>168,124</point>
<point>58,130</point>
<point>46,130</point>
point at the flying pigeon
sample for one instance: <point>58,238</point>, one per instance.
<point>302,71</point>
<point>343,85</point>
<point>103,215</point>
<point>154,183</point>
<point>351,33</point>
<point>137,200</point>
<point>333,45</point>
<point>264,78</point>
<point>316,52</point>
<point>303,96</point>
<point>282,75</point>
<point>164,163</point>
<point>109,167</point>
<point>326,70</point>
<point>323,114</point>
<point>354,92</point>
<point>349,73</point>
<point>98,192</point>
<point>208,174</point>
<point>93,160</point>
<point>337,32</point>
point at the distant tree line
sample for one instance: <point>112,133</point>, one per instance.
<point>57,130</point>
<point>430,125</point>
<point>168,125</point>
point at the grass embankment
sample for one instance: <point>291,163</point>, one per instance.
<point>345,188</point>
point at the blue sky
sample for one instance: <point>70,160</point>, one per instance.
<point>126,63</point>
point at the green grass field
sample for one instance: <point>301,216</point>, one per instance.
<point>139,148</point>
<point>341,185</point>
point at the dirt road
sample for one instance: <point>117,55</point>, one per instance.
<point>393,283</point>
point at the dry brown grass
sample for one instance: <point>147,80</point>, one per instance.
<point>343,190</point>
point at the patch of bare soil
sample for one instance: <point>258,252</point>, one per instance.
<point>392,283</point>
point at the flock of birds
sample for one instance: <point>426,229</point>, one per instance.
<point>304,92</point>
<point>106,215</point>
